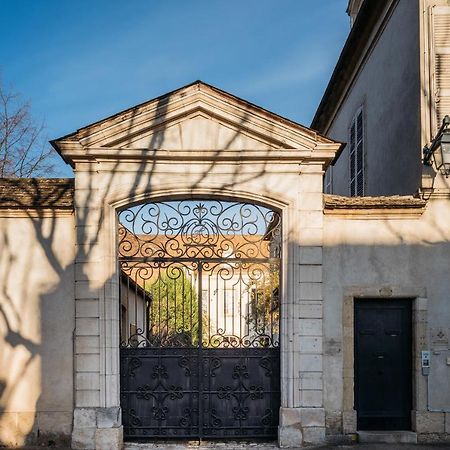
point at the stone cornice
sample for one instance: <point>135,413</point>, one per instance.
<point>322,155</point>
<point>374,207</point>
<point>35,213</point>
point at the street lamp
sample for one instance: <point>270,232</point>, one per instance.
<point>439,149</point>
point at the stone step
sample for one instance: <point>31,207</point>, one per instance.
<point>387,437</point>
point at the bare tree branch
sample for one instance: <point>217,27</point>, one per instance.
<point>23,150</point>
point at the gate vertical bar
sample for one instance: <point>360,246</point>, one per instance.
<point>200,346</point>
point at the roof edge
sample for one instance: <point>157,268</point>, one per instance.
<point>74,136</point>
<point>351,54</point>
<point>37,193</point>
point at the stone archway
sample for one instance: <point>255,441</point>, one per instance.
<point>200,325</point>
<point>196,142</point>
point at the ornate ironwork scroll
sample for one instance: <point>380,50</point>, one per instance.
<point>209,229</point>
<point>199,319</point>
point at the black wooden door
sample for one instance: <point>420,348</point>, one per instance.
<point>383,386</point>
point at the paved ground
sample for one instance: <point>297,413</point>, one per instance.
<point>265,446</point>
<point>261,446</point>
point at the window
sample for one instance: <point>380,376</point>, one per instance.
<point>441,63</point>
<point>329,180</point>
<point>229,301</point>
<point>124,324</point>
<point>356,154</point>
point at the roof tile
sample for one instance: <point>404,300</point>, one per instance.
<point>25,193</point>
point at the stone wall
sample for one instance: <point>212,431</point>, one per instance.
<point>37,249</point>
<point>388,254</point>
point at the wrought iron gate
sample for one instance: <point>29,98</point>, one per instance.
<point>199,319</point>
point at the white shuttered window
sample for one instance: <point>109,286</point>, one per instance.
<point>329,180</point>
<point>441,47</point>
<point>356,154</point>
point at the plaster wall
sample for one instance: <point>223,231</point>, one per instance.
<point>387,257</point>
<point>388,88</point>
<point>37,319</point>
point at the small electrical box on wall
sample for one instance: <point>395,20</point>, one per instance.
<point>426,356</point>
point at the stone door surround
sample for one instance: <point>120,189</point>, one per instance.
<point>419,342</point>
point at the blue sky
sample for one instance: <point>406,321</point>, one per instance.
<point>78,61</point>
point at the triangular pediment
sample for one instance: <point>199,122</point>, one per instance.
<point>196,118</point>
<point>197,130</point>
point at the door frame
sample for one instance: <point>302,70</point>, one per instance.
<point>109,344</point>
<point>419,307</point>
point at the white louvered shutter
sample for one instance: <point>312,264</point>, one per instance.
<point>441,47</point>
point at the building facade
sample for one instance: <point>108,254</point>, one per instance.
<point>387,99</point>
<point>391,83</point>
<point>201,186</point>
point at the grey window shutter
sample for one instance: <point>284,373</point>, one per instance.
<point>352,154</point>
<point>359,155</point>
<point>356,154</point>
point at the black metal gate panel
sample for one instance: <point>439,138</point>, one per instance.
<point>199,291</point>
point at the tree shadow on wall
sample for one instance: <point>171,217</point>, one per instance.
<point>34,302</point>
<point>51,264</point>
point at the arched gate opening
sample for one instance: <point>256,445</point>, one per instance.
<point>199,319</point>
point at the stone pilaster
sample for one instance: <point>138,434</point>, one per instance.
<point>97,422</point>
<point>303,422</point>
